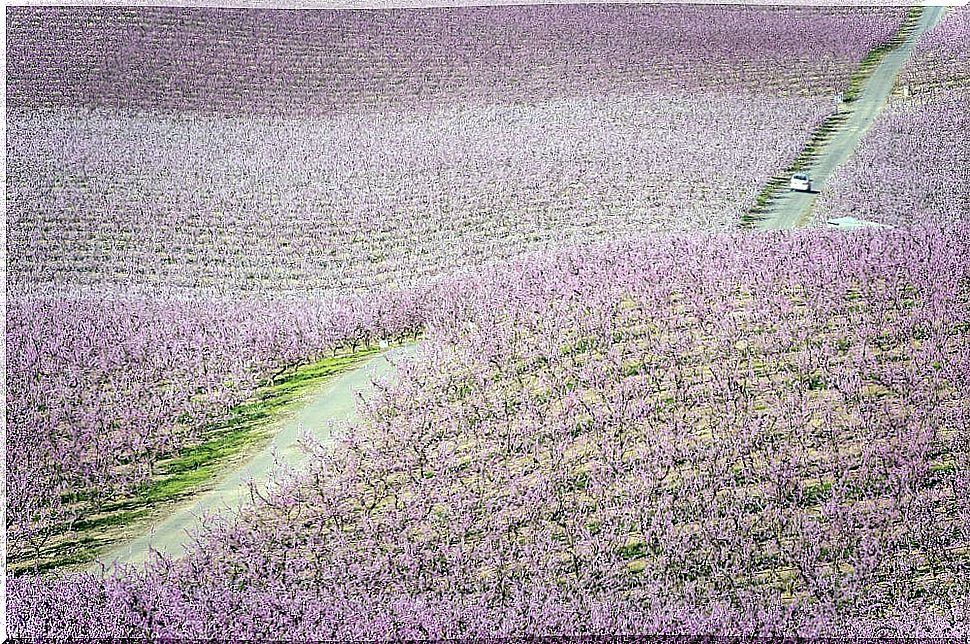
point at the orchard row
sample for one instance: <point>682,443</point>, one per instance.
<point>321,62</point>
<point>698,433</point>
<point>355,202</point>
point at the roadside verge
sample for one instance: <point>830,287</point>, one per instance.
<point>837,136</point>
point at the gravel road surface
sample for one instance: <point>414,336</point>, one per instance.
<point>333,404</point>
<point>792,209</point>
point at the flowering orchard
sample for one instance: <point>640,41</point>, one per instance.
<point>914,164</point>
<point>691,433</point>
<point>211,186</point>
<point>941,59</point>
<point>101,384</point>
<point>357,150</point>
<point>624,419</point>
<point>299,62</point>
<point>909,168</point>
<point>353,202</point>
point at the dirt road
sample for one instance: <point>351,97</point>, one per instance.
<point>333,404</point>
<point>791,209</point>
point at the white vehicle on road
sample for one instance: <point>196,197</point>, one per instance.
<point>800,182</point>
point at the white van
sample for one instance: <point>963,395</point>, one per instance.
<point>800,182</point>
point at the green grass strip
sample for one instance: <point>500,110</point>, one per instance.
<point>827,128</point>
<point>244,429</point>
<point>246,426</point>
<point>877,55</point>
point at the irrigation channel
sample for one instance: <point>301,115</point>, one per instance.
<point>333,404</point>
<point>785,209</point>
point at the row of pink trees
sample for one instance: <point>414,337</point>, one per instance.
<point>911,164</point>
<point>356,202</point>
<point>103,383</point>
<point>733,434</point>
<point>321,62</point>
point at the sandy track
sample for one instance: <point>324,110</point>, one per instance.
<point>333,404</point>
<point>792,209</point>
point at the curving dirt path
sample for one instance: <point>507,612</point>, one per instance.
<point>333,404</point>
<point>792,209</point>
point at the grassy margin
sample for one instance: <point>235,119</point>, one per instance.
<point>823,133</point>
<point>245,429</point>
